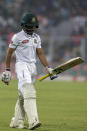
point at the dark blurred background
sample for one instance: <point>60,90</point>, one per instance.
<point>63,29</point>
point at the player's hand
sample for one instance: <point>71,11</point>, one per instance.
<point>49,70</point>
<point>6,77</point>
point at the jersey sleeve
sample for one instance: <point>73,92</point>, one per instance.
<point>14,42</point>
<point>39,42</point>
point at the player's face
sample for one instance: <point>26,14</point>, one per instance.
<point>29,30</point>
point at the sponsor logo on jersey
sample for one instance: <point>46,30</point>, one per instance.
<point>25,41</point>
<point>35,41</point>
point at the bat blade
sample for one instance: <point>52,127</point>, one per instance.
<point>65,66</point>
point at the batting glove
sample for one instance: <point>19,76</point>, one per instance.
<point>6,77</point>
<point>49,70</point>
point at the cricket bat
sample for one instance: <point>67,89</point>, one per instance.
<point>63,67</point>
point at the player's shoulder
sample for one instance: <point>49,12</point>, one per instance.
<point>17,35</point>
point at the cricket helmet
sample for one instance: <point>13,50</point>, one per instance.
<point>29,22</point>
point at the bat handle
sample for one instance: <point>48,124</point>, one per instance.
<point>53,77</point>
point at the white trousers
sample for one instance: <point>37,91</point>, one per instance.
<point>26,73</point>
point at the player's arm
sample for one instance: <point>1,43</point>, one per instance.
<point>8,57</point>
<point>6,75</point>
<point>43,60</point>
<point>42,57</point>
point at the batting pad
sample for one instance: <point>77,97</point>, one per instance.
<point>31,110</point>
<point>29,91</point>
<point>18,115</point>
<point>29,94</point>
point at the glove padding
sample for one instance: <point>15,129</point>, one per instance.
<point>49,70</point>
<point>6,77</point>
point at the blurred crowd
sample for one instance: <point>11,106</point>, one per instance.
<point>50,14</point>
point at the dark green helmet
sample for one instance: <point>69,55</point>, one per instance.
<point>29,20</point>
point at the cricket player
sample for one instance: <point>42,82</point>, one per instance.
<point>26,44</point>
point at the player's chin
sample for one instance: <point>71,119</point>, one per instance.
<point>29,31</point>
